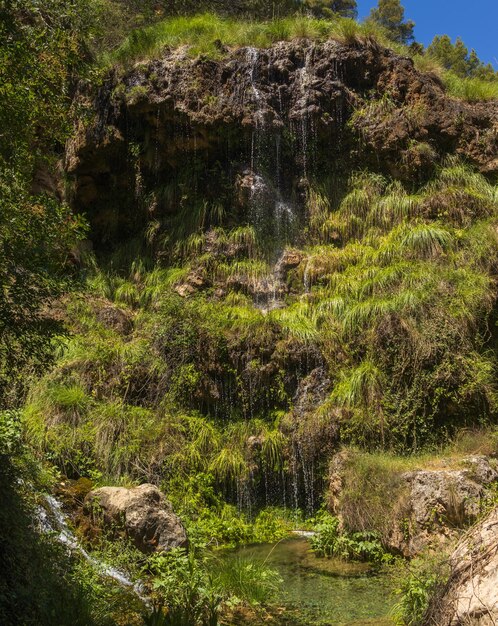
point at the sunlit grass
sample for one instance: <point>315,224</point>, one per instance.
<point>203,34</point>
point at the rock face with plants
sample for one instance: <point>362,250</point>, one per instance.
<point>300,107</point>
<point>274,291</point>
<point>469,597</point>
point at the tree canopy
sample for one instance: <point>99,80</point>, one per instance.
<point>390,15</point>
<point>327,8</point>
<point>457,58</point>
<point>38,52</point>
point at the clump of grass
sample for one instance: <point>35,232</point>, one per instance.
<point>366,480</point>
<point>470,89</point>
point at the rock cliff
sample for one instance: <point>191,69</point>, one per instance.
<point>160,133</point>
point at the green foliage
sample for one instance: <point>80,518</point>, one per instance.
<point>185,588</point>
<point>327,8</point>
<point>331,541</point>
<point>415,584</point>
<point>29,281</point>
<point>390,15</point>
<point>10,432</point>
<point>457,58</point>
<point>39,49</point>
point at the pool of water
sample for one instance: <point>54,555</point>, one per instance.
<point>324,592</point>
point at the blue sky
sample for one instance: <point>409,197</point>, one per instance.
<point>475,21</point>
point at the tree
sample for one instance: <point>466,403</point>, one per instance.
<point>457,58</point>
<point>40,48</point>
<point>329,8</point>
<point>390,15</point>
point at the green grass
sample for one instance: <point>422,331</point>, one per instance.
<point>199,34</point>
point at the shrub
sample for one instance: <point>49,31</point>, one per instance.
<point>415,584</point>
<point>185,589</point>
<point>330,541</point>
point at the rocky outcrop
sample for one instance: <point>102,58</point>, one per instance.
<point>441,502</point>
<point>142,512</point>
<point>470,598</point>
<point>424,508</point>
<point>285,112</point>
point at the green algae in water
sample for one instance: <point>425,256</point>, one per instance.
<point>324,592</point>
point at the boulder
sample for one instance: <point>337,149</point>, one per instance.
<point>470,598</point>
<point>441,502</point>
<point>425,507</point>
<point>142,512</point>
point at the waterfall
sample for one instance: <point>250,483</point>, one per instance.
<point>54,521</point>
<point>302,84</point>
<point>252,59</point>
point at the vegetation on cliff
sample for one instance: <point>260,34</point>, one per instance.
<point>289,251</point>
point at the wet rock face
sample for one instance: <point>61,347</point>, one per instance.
<point>142,512</point>
<point>470,597</point>
<point>288,112</point>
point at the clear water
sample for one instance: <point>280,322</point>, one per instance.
<point>324,592</point>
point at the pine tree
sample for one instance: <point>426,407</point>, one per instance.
<point>457,58</point>
<point>329,8</point>
<point>390,14</point>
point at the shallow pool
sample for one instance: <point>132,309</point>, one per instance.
<point>324,592</point>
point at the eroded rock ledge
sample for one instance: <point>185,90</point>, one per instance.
<point>298,108</point>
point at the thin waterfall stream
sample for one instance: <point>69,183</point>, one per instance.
<point>51,519</point>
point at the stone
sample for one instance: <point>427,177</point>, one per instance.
<point>470,598</point>
<point>441,503</point>
<point>142,512</point>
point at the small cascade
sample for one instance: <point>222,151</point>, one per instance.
<point>252,60</point>
<point>304,78</point>
<point>53,520</point>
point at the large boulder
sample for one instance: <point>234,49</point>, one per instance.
<point>470,598</point>
<point>441,502</point>
<point>142,512</point>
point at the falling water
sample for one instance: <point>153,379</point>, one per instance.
<point>55,522</point>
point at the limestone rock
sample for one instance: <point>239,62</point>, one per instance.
<point>142,512</point>
<point>470,597</point>
<point>425,507</point>
<point>442,501</point>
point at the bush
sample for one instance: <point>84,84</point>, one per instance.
<point>330,541</point>
<point>416,582</point>
<point>185,589</point>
